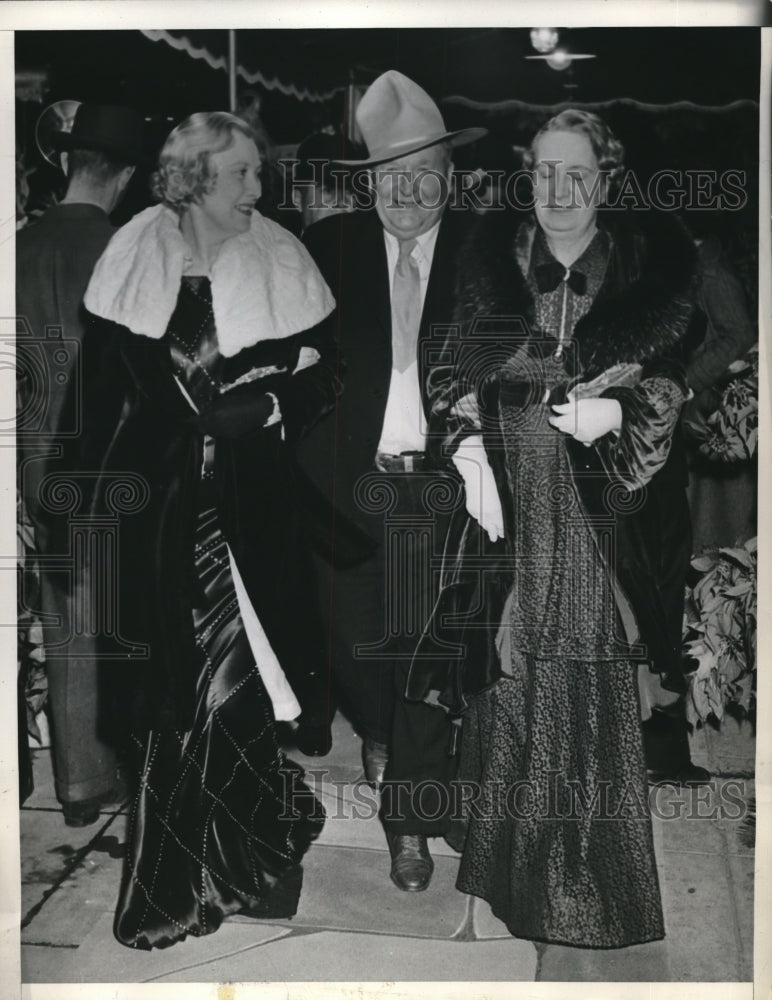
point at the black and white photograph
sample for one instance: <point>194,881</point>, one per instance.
<point>389,424</point>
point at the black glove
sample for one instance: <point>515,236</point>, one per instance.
<point>236,413</point>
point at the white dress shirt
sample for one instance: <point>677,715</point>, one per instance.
<point>404,423</point>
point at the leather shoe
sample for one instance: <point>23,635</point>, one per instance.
<point>666,748</point>
<point>411,863</point>
<point>84,813</point>
<point>687,776</point>
<point>375,757</point>
<point>87,811</point>
<point>313,740</point>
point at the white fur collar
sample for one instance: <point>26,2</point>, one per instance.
<point>265,285</point>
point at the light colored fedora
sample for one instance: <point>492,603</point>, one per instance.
<point>397,117</point>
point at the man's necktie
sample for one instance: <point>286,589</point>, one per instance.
<point>405,307</point>
<point>548,277</point>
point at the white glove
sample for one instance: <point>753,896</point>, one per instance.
<point>308,356</point>
<point>275,417</point>
<point>467,409</point>
<point>587,419</point>
<point>482,496</point>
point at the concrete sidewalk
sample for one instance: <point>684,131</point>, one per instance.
<point>353,925</point>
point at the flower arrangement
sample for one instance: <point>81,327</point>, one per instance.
<point>730,432</point>
<point>720,633</point>
<point>32,680</point>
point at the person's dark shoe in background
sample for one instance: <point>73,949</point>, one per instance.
<point>375,757</point>
<point>666,748</point>
<point>313,739</point>
<point>85,812</point>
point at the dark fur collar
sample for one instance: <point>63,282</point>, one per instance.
<point>642,310</point>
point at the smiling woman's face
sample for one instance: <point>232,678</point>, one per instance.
<point>226,210</point>
<point>566,171</point>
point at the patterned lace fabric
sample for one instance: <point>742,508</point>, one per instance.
<point>563,726</point>
<point>550,305</point>
<point>563,604</point>
<point>560,843</point>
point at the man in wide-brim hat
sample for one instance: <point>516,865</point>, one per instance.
<point>396,117</point>
<point>55,256</point>
<point>392,273</point>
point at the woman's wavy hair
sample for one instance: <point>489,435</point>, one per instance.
<point>608,150</point>
<point>185,172</point>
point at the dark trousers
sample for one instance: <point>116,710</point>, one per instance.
<point>673,559</point>
<point>375,615</point>
<point>85,762</point>
<point>415,797</point>
<point>352,603</point>
<point>83,742</point>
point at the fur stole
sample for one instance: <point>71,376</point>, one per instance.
<point>641,312</point>
<point>265,286</point>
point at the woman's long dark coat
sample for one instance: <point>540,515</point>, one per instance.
<point>642,314</point>
<point>130,386</point>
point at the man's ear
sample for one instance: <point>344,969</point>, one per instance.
<point>64,159</point>
<point>297,201</point>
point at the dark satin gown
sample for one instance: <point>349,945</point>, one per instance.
<point>221,819</point>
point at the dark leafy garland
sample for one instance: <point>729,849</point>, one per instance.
<point>730,432</point>
<point>720,633</point>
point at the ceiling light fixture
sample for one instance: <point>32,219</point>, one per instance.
<point>544,39</point>
<point>560,59</point>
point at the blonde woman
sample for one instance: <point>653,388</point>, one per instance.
<point>212,318</point>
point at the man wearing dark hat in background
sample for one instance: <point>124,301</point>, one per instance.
<point>54,260</point>
<point>321,189</point>
<point>392,274</point>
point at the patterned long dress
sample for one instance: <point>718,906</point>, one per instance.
<point>559,841</point>
<point>221,820</point>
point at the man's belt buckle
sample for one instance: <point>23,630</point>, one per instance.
<point>406,461</point>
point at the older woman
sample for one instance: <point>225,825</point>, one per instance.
<point>560,414</point>
<point>210,324</point>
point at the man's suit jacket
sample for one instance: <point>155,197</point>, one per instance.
<point>351,254</point>
<point>54,260</point>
